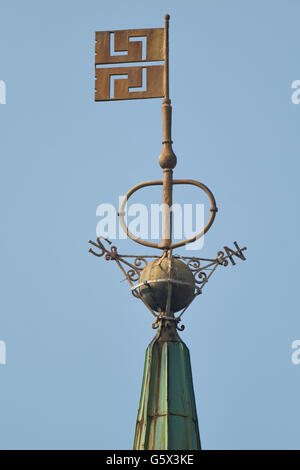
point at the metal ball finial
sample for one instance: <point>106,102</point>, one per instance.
<point>167,158</point>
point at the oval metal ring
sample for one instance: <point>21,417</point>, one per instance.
<point>213,209</point>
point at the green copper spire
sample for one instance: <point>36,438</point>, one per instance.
<point>167,416</point>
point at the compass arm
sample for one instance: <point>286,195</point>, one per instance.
<point>138,263</point>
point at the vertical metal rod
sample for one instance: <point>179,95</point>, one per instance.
<point>167,159</point>
<point>168,312</point>
<point>166,59</point>
<point>166,209</point>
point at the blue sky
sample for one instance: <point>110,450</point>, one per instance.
<point>75,336</point>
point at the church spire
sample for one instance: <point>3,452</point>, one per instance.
<point>167,416</point>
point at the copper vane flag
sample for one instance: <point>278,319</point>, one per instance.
<point>129,52</point>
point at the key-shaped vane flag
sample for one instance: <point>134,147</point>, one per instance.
<point>121,82</point>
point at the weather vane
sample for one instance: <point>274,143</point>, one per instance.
<point>166,283</point>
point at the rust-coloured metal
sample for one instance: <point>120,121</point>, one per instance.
<point>154,75</point>
<point>157,48</point>
<point>167,159</point>
<point>167,194</point>
<point>122,43</point>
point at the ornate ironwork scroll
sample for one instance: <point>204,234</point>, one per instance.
<point>133,265</point>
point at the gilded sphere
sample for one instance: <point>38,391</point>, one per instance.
<point>155,293</point>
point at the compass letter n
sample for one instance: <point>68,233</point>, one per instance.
<point>238,252</point>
